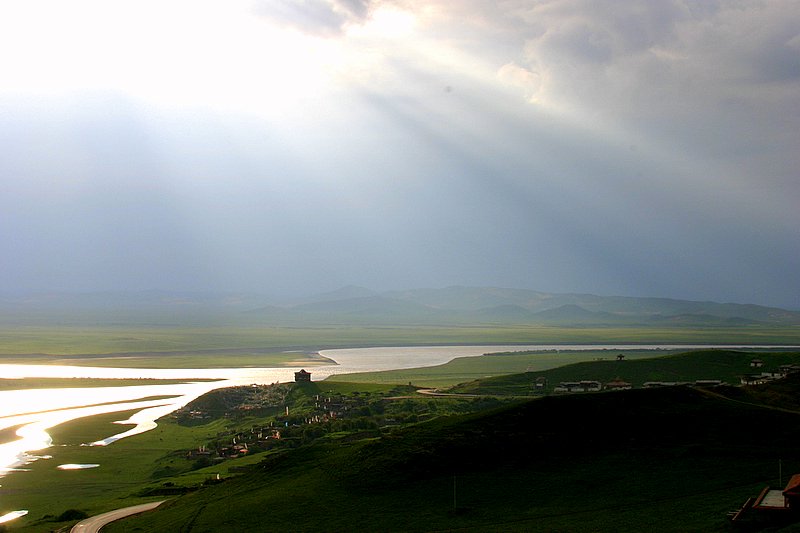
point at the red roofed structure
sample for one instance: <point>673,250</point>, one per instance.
<point>791,494</point>
<point>773,507</point>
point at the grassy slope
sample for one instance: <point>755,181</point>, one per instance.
<point>464,369</point>
<point>725,365</point>
<point>652,460</point>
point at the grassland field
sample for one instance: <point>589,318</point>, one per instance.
<point>174,347</point>
<point>607,488</point>
<point>150,459</point>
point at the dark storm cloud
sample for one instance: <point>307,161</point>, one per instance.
<point>638,148</point>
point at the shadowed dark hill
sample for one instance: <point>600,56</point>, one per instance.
<point>655,460</point>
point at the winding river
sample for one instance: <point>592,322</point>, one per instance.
<point>34,411</point>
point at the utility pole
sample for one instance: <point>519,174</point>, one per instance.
<point>455,506</point>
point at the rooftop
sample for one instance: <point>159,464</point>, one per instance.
<point>773,498</point>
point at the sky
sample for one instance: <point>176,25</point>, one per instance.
<point>631,148</point>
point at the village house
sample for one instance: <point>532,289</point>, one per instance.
<point>708,383</point>
<point>760,379</point>
<point>753,379</point>
<point>791,494</point>
<point>785,370</point>
<point>578,386</point>
<point>657,384</point>
<point>617,384</point>
<point>302,376</point>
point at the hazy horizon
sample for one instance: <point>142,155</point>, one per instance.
<point>280,299</point>
<point>644,149</point>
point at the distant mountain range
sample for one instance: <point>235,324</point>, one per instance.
<point>456,305</point>
<point>358,305</point>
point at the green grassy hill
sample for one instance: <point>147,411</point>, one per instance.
<point>640,460</point>
<point>725,365</point>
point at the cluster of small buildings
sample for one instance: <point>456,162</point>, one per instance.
<point>329,408</point>
<point>695,383</point>
<point>766,377</point>
<point>233,445</point>
<point>591,386</point>
<point>230,445</point>
<point>619,384</point>
<point>194,414</point>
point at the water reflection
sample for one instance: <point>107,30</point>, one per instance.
<point>33,435</point>
<point>74,466</point>
<point>8,517</point>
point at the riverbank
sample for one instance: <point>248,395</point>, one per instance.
<point>125,465</point>
<point>176,360</point>
<point>9,384</point>
<point>9,434</point>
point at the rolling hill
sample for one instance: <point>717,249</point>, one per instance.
<point>460,305</point>
<point>358,305</point>
<point>724,365</point>
<point>654,460</point>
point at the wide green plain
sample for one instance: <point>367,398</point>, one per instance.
<point>581,481</point>
<point>149,458</point>
<point>182,347</point>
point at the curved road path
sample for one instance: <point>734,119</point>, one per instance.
<point>94,523</point>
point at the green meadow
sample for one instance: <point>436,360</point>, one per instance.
<point>66,383</point>
<point>184,346</point>
<point>625,461</point>
<point>643,460</point>
<point>329,474</point>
